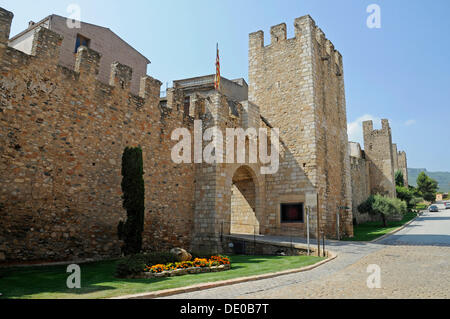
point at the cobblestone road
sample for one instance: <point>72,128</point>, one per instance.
<point>414,263</point>
<point>406,272</point>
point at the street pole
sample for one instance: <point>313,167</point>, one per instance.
<point>254,239</point>
<point>307,227</point>
<point>337,225</point>
<point>318,226</point>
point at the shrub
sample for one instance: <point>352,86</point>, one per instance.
<point>131,265</point>
<point>400,205</point>
<point>383,206</point>
<point>427,187</point>
<point>159,258</point>
<point>409,195</point>
<point>399,180</point>
<point>404,194</point>
<point>135,264</point>
<point>133,200</point>
<point>414,201</point>
<point>366,206</point>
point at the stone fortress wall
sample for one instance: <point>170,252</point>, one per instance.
<point>62,136</point>
<point>360,180</point>
<point>63,132</point>
<point>373,169</point>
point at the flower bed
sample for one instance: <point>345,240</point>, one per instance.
<point>198,265</point>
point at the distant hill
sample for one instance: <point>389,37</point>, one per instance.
<point>443,178</point>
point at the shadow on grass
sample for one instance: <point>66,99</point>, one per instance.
<point>369,231</point>
<point>98,281</point>
<point>21,282</point>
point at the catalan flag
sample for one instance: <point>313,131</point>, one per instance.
<point>217,80</point>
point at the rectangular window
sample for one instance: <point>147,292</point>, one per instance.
<point>81,40</point>
<point>292,213</point>
<point>187,104</point>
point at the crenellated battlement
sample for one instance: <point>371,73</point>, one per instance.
<point>305,30</point>
<point>5,25</point>
<point>278,33</point>
<point>46,49</point>
<point>149,87</point>
<point>368,128</point>
<point>87,62</point>
<point>46,44</point>
<point>121,75</point>
<point>303,26</point>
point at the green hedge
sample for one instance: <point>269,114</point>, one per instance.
<point>383,206</point>
<point>134,264</point>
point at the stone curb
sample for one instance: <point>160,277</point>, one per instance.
<point>209,285</point>
<point>395,230</point>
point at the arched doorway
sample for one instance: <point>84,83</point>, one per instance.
<point>244,202</point>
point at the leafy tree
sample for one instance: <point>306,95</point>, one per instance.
<point>427,187</point>
<point>399,179</point>
<point>366,206</point>
<point>133,200</point>
<point>383,206</point>
<point>405,194</point>
<point>416,193</point>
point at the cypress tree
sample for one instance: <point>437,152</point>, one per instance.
<point>133,200</point>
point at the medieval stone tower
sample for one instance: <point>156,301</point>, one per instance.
<point>395,157</point>
<point>403,166</point>
<point>298,84</point>
<point>378,148</point>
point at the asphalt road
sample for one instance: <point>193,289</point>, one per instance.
<point>430,229</point>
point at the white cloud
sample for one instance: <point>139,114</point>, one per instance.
<point>410,122</point>
<point>355,131</point>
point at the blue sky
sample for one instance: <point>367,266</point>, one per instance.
<point>400,72</point>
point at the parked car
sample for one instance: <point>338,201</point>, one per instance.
<point>433,208</point>
<point>447,205</point>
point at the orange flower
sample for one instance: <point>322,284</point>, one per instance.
<point>197,262</point>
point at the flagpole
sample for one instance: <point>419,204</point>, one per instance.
<point>217,48</point>
<point>217,57</point>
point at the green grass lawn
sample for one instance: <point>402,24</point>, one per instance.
<point>372,230</point>
<point>421,206</point>
<point>98,281</point>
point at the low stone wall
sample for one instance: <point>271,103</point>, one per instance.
<point>181,272</point>
<point>250,247</point>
